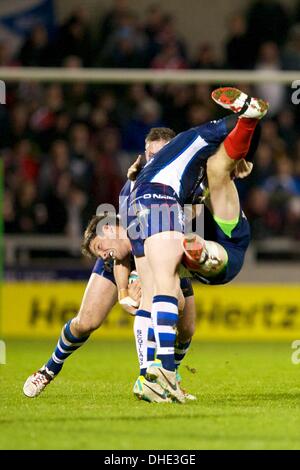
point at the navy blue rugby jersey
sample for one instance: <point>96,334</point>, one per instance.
<point>179,162</point>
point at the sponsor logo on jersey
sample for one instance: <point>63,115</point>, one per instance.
<point>158,196</point>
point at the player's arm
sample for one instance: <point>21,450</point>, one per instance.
<point>135,293</point>
<point>129,297</point>
<point>121,273</point>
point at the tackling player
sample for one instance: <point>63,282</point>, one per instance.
<point>99,298</point>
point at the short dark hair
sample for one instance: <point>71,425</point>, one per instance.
<point>91,232</point>
<point>160,133</point>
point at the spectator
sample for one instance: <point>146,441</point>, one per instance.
<point>282,188</point>
<point>127,107</point>
<point>74,38</point>
<point>270,136</point>
<point>169,58</point>
<point>75,204</point>
<point>9,212</point>
<point>108,164</point>
<point>176,101</point>
<point>205,57</point>
<point>267,20</point>
<point>111,21</point>
<point>169,35</point>
<point>197,114</point>
<point>81,156</point>
<point>56,205</point>
<point>287,129</point>
<point>54,167</point>
<point>291,52</point>
<point>6,58</point>
<point>148,115</point>
<point>27,163</point>
<point>126,46</point>
<point>257,207</point>
<point>237,45</point>
<point>283,183</point>
<point>35,51</point>
<point>153,26</point>
<point>31,215</point>
<point>264,165</point>
<point>18,127</point>
<point>274,93</point>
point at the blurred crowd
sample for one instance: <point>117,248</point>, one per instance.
<point>66,148</point>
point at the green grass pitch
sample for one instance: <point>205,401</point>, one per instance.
<point>248,398</point>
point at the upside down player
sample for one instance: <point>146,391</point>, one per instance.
<point>171,177</point>
<point>99,298</point>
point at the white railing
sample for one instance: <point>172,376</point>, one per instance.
<point>96,75</point>
<point>19,251</point>
<point>19,248</point>
<point>16,246</point>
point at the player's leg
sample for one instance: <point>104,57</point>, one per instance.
<point>185,330</point>
<point>218,261</point>
<point>212,257</point>
<point>93,312</point>
<point>99,298</point>
<point>145,339</point>
<point>143,328</point>
<point>163,252</point>
<point>160,234</point>
<point>144,332</point>
<point>224,198</point>
<point>223,195</point>
<point>187,318</point>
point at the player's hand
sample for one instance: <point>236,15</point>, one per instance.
<point>135,169</point>
<point>131,302</point>
<point>134,291</point>
<point>242,169</point>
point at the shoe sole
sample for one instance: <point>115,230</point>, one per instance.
<point>226,97</point>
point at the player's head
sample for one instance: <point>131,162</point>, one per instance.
<point>157,138</point>
<point>105,238</point>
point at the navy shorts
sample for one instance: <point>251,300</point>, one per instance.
<point>235,246</point>
<point>105,269</point>
<point>153,208</point>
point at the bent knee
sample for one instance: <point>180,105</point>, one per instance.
<point>84,323</point>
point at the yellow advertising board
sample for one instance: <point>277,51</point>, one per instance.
<point>232,312</point>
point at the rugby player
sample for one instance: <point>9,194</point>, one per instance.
<point>172,177</point>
